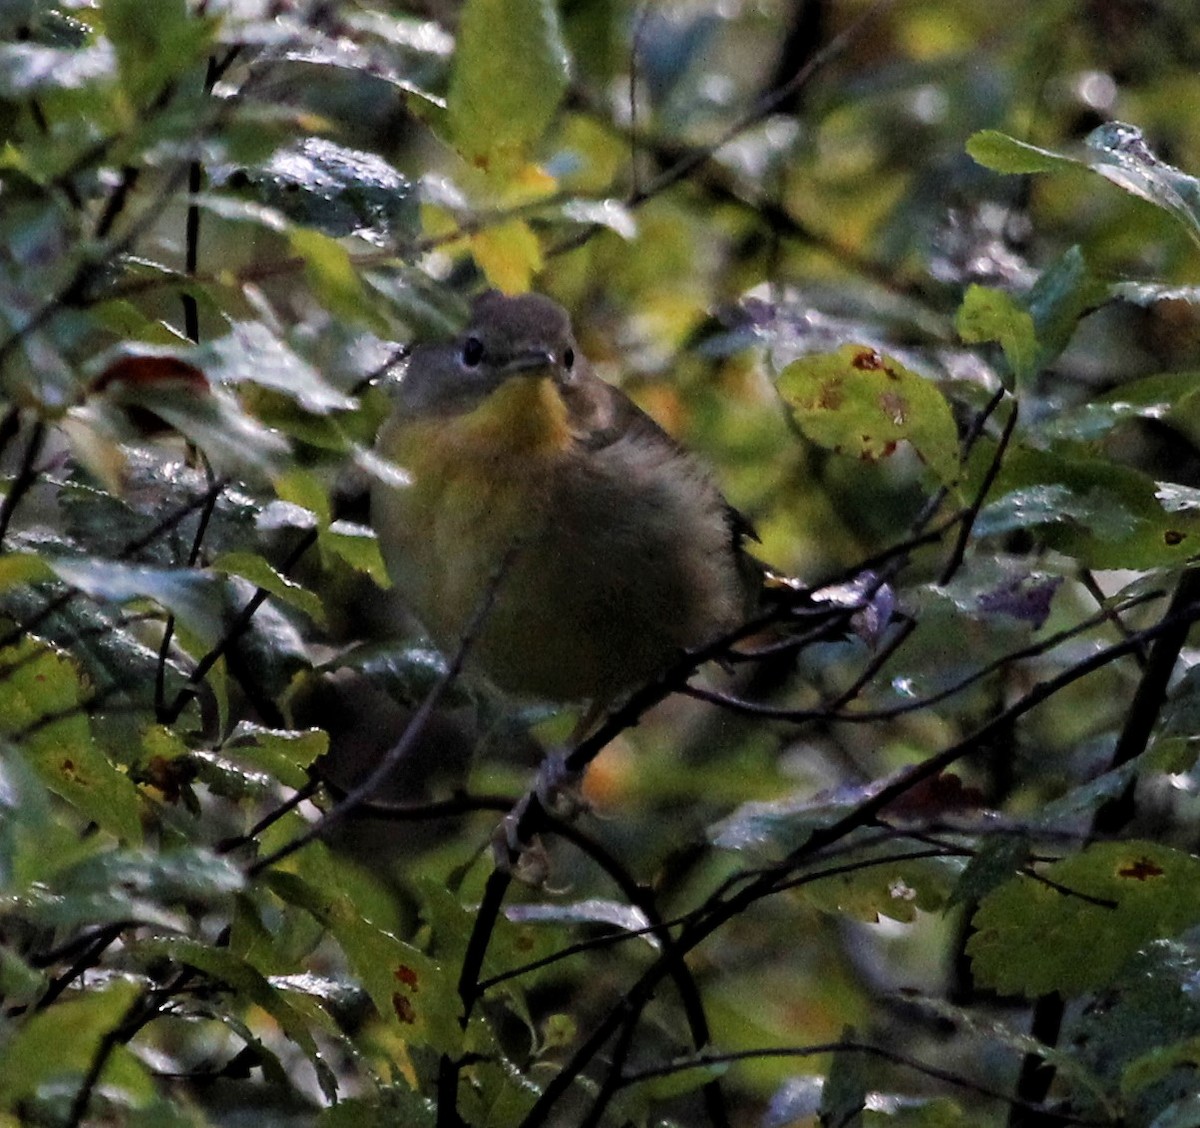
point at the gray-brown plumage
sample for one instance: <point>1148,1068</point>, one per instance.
<point>625,552</point>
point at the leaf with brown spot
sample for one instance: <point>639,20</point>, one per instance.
<point>859,402</point>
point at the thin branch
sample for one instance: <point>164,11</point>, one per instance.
<point>865,814</point>
<point>964,533</point>
<point>337,814</point>
<point>236,629</point>
<point>26,476</point>
<point>819,1049</point>
<point>828,713</point>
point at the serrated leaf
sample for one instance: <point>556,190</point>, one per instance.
<point>885,888</point>
<point>858,402</point>
<point>1120,895</point>
<point>250,566</point>
<point>508,77</point>
<point>992,315</point>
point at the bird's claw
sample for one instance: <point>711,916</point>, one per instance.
<point>557,791</point>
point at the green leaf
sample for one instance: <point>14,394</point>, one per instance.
<point>394,1105</point>
<point>192,597</point>
<point>18,568</point>
<point>858,402</point>
<point>996,861</point>
<point>285,753</point>
<point>1062,294</point>
<point>1120,154</point>
<point>1116,151</point>
<point>250,566</point>
<point>884,888</point>
<point>215,422</point>
<point>252,353</point>
<point>991,315</point>
<point>151,53</point>
<point>60,1043</point>
<point>338,191</point>
<point>845,1094</point>
<point>1120,895</point>
<point>509,75</point>
<point>248,986</point>
<point>333,278</point>
<point>358,546</point>
<point>408,988</point>
<point>157,888</point>
<point>1101,513</point>
<point>1002,153</point>
<point>42,705</point>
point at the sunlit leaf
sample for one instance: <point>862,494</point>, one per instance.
<point>509,254</point>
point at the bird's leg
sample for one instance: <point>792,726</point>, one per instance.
<point>558,789</point>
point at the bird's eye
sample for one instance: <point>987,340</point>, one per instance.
<point>472,351</point>
<point>569,359</point>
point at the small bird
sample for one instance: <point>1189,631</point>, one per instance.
<point>620,550</point>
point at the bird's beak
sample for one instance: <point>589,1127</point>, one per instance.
<point>534,360</point>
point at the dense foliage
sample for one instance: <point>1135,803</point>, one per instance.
<point>918,278</point>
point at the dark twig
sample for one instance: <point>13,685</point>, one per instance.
<point>26,476</point>
<point>866,813</point>
<point>236,629</point>
<point>412,732</point>
<point>959,551</point>
<point>1037,1074</point>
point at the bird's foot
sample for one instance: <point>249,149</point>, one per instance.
<point>557,792</point>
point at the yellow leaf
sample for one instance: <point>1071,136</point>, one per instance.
<point>510,255</point>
